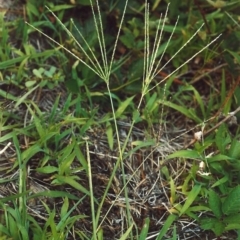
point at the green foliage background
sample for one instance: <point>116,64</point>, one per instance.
<point>196,97</point>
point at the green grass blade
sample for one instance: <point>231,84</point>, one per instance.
<point>144,231</point>
<point>190,198</point>
<point>72,182</point>
<point>181,109</point>
<point>188,154</point>
<point>167,224</point>
<point>126,234</point>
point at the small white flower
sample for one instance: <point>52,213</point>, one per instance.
<point>198,135</point>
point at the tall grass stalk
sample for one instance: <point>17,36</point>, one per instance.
<point>91,193</point>
<point>104,73</point>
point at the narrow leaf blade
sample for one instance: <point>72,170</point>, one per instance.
<point>190,198</point>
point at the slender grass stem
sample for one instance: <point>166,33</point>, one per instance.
<point>91,193</point>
